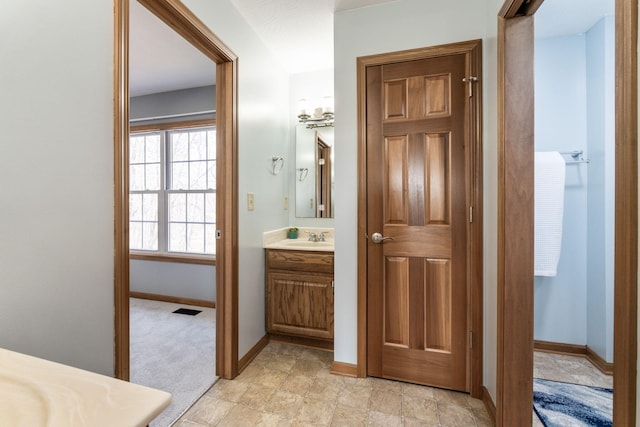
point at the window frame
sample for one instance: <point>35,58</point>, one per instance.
<point>162,254</point>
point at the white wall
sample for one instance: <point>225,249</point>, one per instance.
<point>561,125</point>
<point>401,25</point>
<point>313,85</point>
<point>56,197</point>
<point>490,193</point>
<point>263,131</point>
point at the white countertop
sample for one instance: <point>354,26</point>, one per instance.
<point>37,392</point>
<point>277,239</point>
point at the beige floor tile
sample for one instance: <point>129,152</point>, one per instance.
<point>451,415</point>
<point>270,378</point>
<point>209,411</point>
<point>418,391</point>
<point>285,404</point>
<point>256,396</point>
<point>307,367</point>
<point>410,422</point>
<point>187,423</point>
<point>420,409</point>
<point>384,420</point>
<point>451,397</point>
<point>346,416</point>
<point>273,420</point>
<point>324,390</point>
<point>355,396</point>
<point>241,416</point>
<point>297,384</point>
<point>231,391</point>
<point>316,412</point>
<point>386,402</point>
<point>388,386</point>
<point>250,373</point>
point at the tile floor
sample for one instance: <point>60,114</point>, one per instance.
<point>288,385</point>
<point>570,369</point>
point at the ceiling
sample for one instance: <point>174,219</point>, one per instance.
<point>564,17</point>
<point>160,60</point>
<point>298,32</point>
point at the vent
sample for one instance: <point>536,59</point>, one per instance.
<point>187,311</point>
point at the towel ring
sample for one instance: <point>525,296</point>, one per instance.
<point>277,163</point>
<point>304,172</point>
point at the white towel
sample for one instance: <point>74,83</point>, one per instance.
<point>549,206</point>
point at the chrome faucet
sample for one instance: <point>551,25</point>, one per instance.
<point>321,237</point>
<point>313,237</point>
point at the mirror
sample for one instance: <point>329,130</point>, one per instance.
<point>314,172</point>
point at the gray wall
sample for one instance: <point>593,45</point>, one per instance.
<point>174,279</point>
<point>56,169</point>
<point>176,102</point>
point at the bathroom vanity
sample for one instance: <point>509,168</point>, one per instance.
<point>299,289</point>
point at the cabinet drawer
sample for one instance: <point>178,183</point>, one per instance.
<point>319,262</point>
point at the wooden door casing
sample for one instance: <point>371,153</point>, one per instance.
<point>417,193</point>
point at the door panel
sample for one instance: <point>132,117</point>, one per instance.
<point>416,194</point>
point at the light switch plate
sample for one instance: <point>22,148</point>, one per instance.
<point>250,205</point>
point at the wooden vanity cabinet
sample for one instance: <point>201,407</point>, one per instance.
<point>300,293</point>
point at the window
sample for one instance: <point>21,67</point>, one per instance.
<point>172,196</point>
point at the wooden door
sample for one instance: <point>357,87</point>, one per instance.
<point>417,197</point>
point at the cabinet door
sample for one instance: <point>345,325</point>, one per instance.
<point>300,304</point>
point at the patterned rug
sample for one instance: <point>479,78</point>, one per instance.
<point>560,404</point>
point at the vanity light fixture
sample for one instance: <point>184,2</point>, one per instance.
<point>316,117</point>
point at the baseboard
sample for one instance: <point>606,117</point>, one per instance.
<point>303,342</point>
<point>176,300</point>
<point>575,350</point>
<point>488,404</point>
<point>344,369</point>
<point>604,366</point>
<point>252,353</point>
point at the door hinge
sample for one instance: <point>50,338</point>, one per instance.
<point>470,214</point>
<point>470,339</point>
<point>470,80</point>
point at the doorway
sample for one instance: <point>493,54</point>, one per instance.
<point>183,21</point>
<point>515,223</point>
<point>422,182</point>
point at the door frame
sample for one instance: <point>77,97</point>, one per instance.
<point>515,201</point>
<point>177,16</point>
<point>473,50</point>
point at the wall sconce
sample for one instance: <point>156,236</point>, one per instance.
<point>321,116</point>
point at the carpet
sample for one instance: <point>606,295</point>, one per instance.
<point>172,352</point>
<point>559,404</point>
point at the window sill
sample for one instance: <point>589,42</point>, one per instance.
<point>179,258</point>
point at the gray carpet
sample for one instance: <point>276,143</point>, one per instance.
<point>172,352</point>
